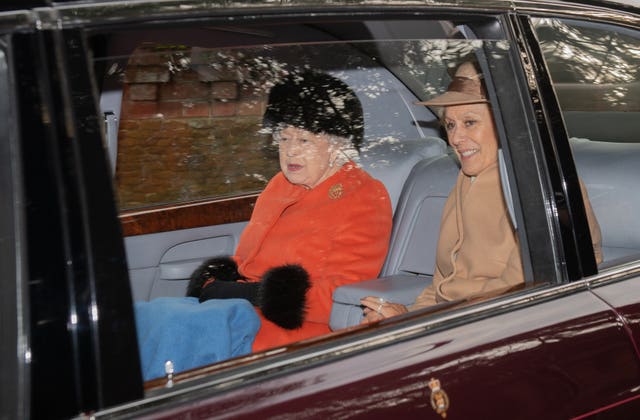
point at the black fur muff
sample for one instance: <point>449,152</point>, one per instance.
<point>220,289</point>
<point>283,295</point>
<point>220,268</point>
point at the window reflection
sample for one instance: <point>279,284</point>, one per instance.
<point>579,55</point>
<point>190,123</point>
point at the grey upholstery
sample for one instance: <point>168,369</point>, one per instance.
<point>398,288</point>
<point>412,251</point>
<point>160,263</point>
<point>590,124</point>
<point>611,173</point>
<point>416,222</point>
<point>391,161</point>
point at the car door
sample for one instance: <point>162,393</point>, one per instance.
<point>543,359</point>
<point>560,350</point>
<point>597,88</point>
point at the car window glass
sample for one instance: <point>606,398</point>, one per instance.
<point>184,119</point>
<point>595,70</point>
<point>183,115</point>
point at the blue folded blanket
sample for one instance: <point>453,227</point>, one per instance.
<point>192,334</point>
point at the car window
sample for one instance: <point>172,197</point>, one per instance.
<point>184,118</point>
<point>595,70</point>
<point>183,115</point>
<point>182,88</point>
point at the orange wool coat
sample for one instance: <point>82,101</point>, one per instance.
<point>338,231</point>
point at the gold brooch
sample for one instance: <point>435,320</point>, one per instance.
<point>336,191</point>
<point>439,398</point>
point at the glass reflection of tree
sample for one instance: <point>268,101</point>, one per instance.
<point>592,56</point>
<point>429,61</point>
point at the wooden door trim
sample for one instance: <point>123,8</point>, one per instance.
<point>187,215</point>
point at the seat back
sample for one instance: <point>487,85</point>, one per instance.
<point>416,222</point>
<point>611,173</point>
<point>391,162</point>
<point>412,252</point>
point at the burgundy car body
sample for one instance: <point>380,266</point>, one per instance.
<point>545,366</point>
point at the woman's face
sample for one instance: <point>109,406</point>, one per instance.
<point>472,135</point>
<point>306,158</point>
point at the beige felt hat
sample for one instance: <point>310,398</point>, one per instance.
<point>465,88</point>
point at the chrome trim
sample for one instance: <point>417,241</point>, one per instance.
<point>122,11</point>
<point>617,273</point>
<point>119,11</point>
<point>559,9</point>
<point>16,21</point>
<point>111,136</point>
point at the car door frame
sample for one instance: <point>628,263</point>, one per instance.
<point>78,328</point>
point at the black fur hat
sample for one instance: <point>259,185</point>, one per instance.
<point>316,102</point>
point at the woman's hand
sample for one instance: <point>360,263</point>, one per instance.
<point>376,308</point>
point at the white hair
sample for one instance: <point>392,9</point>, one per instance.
<point>346,150</point>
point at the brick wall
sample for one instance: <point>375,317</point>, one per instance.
<point>189,130</point>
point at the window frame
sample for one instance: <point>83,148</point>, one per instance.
<point>14,345</point>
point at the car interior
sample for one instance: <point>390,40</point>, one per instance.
<point>385,64</point>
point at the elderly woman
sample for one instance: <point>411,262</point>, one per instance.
<point>320,223</point>
<point>478,249</point>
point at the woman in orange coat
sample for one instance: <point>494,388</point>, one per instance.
<point>320,223</point>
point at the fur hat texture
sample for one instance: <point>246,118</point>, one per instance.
<point>283,295</point>
<point>221,268</point>
<point>316,102</point>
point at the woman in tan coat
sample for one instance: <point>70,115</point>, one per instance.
<point>478,249</point>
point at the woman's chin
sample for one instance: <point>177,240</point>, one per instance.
<point>294,178</point>
<point>473,168</point>
<point>469,171</point>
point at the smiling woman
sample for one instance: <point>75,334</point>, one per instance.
<point>478,250</point>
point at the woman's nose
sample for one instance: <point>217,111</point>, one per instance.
<point>293,148</point>
<point>455,137</point>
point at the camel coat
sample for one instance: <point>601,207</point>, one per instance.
<point>478,249</point>
<point>338,231</point>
